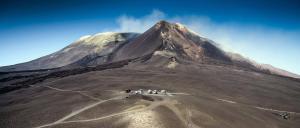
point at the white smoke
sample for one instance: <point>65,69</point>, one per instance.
<point>131,24</point>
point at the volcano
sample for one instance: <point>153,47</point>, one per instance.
<point>206,86</point>
<point>159,44</point>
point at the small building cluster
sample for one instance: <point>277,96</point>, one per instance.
<point>146,92</point>
<point>285,115</point>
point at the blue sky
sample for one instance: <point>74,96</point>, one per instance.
<point>266,31</point>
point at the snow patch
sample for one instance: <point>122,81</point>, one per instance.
<point>172,64</point>
<point>193,32</point>
<point>84,37</point>
<point>164,53</point>
<point>101,39</point>
<point>105,33</point>
<point>180,26</point>
<point>228,101</point>
<point>67,49</point>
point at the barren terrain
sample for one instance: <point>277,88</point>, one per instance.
<point>211,96</point>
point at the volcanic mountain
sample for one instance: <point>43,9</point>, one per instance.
<point>98,81</point>
<point>160,44</point>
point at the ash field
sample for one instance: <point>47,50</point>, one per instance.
<point>84,85</point>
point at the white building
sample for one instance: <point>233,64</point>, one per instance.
<point>163,92</point>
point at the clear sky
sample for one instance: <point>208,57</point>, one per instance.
<point>267,31</point>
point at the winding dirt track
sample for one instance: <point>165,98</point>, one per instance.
<point>79,92</point>
<point>77,111</point>
<point>62,120</point>
<point>256,107</point>
<point>166,101</point>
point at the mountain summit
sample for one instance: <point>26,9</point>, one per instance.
<point>172,39</point>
